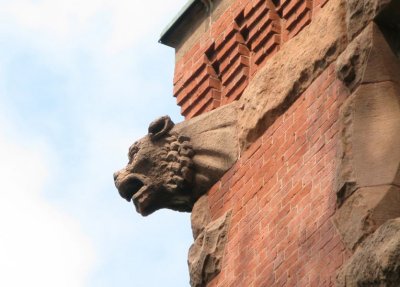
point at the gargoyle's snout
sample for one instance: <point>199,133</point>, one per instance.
<point>129,185</point>
<point>116,175</point>
<point>119,177</point>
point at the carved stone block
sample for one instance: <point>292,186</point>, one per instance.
<point>205,255</point>
<point>377,261</point>
<point>369,158</point>
<point>201,216</point>
<point>174,165</point>
<point>370,118</point>
<point>370,139</point>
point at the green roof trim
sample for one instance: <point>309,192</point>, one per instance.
<point>182,22</point>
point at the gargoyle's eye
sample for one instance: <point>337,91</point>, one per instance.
<point>132,152</point>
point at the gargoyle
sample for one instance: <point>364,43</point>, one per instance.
<point>173,165</point>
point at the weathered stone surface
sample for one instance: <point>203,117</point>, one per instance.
<point>205,255</point>
<point>376,138</point>
<point>350,65</point>
<point>370,117</point>
<point>361,12</point>
<point>291,71</point>
<point>370,139</point>
<point>368,59</point>
<point>365,211</point>
<point>376,263</point>
<point>368,171</point>
<point>215,142</point>
<point>174,165</point>
<point>200,216</point>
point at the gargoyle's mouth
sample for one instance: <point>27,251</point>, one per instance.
<point>130,186</point>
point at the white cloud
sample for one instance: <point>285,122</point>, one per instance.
<point>39,244</point>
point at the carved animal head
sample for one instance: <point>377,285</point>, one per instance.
<point>173,165</point>
<point>159,173</point>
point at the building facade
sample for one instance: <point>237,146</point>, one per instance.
<point>310,91</point>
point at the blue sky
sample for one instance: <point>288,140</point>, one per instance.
<point>79,82</point>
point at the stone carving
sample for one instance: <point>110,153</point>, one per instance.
<point>174,165</point>
<point>160,170</point>
<point>205,255</point>
<point>270,93</point>
<point>377,261</point>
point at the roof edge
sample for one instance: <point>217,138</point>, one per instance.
<point>173,33</point>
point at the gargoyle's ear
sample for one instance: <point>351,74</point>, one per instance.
<point>160,127</point>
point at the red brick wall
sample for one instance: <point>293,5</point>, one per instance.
<point>282,198</point>
<point>218,67</point>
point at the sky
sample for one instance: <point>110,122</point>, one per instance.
<point>80,80</point>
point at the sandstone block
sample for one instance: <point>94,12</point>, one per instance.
<point>365,211</point>
<point>201,216</point>
<point>370,139</point>
<point>205,255</point>
<point>377,261</point>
